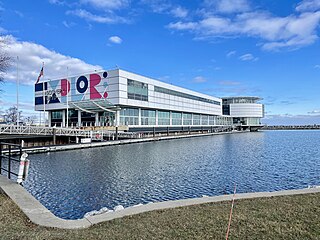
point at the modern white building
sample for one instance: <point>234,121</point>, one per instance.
<point>121,98</point>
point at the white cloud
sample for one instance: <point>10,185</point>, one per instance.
<point>308,5</point>
<point>179,12</point>
<point>110,19</point>
<point>157,6</point>
<point>68,24</point>
<point>231,53</point>
<point>248,57</point>
<point>57,2</point>
<point>199,79</point>
<point>315,112</point>
<point>107,4</point>
<point>292,31</point>
<point>229,83</point>
<point>31,57</point>
<point>183,26</point>
<point>228,6</point>
<point>115,39</point>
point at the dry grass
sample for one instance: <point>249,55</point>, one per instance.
<point>289,217</point>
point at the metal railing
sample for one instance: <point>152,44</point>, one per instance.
<point>44,131</point>
<point>10,153</point>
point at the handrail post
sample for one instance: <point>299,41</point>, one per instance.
<point>0,157</point>
<point>9,162</point>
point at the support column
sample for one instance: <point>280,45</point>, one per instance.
<point>79,118</point>
<point>157,118</point>
<point>170,116</point>
<point>49,118</point>
<point>54,136</point>
<point>139,120</point>
<point>182,119</point>
<point>96,123</point>
<point>117,118</point>
<point>63,118</point>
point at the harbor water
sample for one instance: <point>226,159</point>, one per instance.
<point>74,182</point>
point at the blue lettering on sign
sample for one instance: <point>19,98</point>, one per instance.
<point>85,86</point>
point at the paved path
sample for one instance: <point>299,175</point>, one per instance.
<point>40,215</point>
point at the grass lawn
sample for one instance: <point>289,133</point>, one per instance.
<point>289,217</point>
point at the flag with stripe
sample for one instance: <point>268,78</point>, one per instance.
<point>40,75</point>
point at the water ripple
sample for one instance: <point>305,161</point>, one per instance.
<point>75,182</point>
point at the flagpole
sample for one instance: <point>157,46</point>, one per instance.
<point>18,114</point>
<point>67,97</point>
<point>44,97</point>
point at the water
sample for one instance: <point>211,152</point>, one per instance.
<point>72,183</point>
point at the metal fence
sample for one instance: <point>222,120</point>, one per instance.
<point>9,154</point>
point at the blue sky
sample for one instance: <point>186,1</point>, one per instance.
<point>263,48</point>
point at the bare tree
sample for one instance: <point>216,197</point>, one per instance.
<point>11,115</point>
<point>5,59</point>
<point>30,120</point>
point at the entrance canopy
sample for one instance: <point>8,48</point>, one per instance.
<point>93,106</point>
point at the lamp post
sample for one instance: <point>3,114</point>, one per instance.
<point>18,114</point>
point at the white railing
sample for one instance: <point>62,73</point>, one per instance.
<point>47,131</point>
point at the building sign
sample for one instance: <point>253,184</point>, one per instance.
<point>85,87</point>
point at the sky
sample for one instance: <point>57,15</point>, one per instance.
<point>264,48</point>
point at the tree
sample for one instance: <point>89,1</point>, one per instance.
<point>5,59</point>
<point>30,120</point>
<point>11,115</point>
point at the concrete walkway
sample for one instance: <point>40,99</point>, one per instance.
<point>40,215</point>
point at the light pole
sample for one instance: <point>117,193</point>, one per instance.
<point>18,114</point>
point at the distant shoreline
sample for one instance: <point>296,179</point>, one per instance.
<point>292,127</point>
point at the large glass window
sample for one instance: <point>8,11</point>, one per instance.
<point>211,120</point>
<point>129,116</point>
<point>148,117</point>
<point>187,119</point>
<point>56,115</point>
<point>204,120</point>
<point>163,118</point>
<point>184,95</point>
<point>176,118</point>
<point>196,119</point>
<point>137,90</point>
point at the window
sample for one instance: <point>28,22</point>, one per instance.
<point>137,90</point>
<point>187,119</point>
<point>176,118</point>
<point>163,118</point>
<point>56,114</point>
<point>148,117</point>
<point>204,120</point>
<point>196,119</point>
<point>129,116</point>
<point>184,95</point>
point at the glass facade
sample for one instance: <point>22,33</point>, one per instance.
<point>129,116</point>
<point>204,120</point>
<point>211,120</point>
<point>196,119</point>
<point>137,90</point>
<point>184,95</point>
<point>148,117</point>
<point>187,119</point>
<point>176,118</point>
<point>163,118</point>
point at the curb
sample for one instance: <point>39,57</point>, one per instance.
<point>40,215</point>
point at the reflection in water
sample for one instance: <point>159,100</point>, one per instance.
<point>75,182</point>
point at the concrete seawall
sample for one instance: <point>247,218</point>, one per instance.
<point>117,142</point>
<point>40,215</point>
